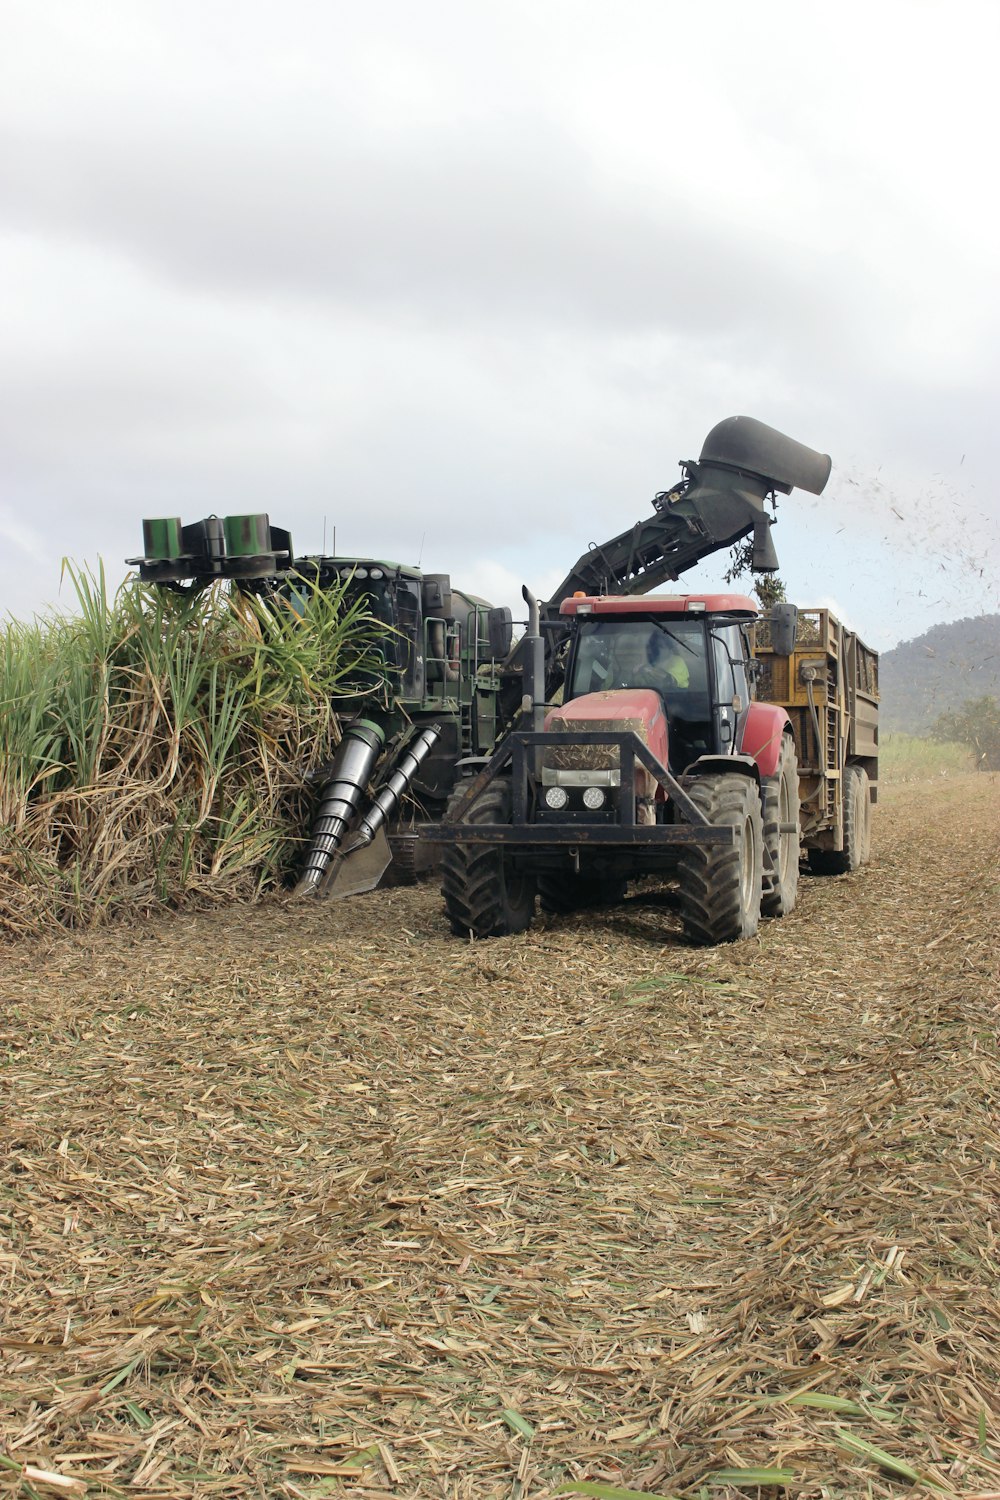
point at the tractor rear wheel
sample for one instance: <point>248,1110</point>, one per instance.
<point>857,829</point>
<point>564,893</point>
<point>720,886</point>
<point>483,895</point>
<point>780,799</point>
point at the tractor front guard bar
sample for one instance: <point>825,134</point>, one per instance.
<point>694,829</point>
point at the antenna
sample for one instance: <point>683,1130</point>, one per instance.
<point>423,538</point>
<point>324,535</point>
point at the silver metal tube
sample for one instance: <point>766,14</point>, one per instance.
<point>391,792</point>
<point>350,774</point>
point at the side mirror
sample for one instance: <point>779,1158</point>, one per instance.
<point>500,630</point>
<point>784,619</point>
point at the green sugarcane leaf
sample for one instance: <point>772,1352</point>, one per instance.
<point>852,1444</point>
<point>517,1423</point>
<point>609,1491</point>
<point>751,1476</point>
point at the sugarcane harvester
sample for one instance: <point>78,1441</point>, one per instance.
<point>452,685</point>
<point>689,741</point>
<point>445,695</point>
<point>434,700</point>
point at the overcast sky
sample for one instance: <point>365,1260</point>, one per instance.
<point>466,280</point>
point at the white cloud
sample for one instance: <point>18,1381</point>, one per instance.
<point>473,278</point>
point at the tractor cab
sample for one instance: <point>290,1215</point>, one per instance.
<point>689,650</point>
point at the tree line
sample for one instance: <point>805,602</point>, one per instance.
<point>976,724</point>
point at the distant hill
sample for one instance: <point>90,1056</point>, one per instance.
<point>938,672</point>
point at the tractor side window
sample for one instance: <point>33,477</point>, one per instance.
<point>738,653</point>
<point>725,678</point>
<point>731,686</point>
<point>732,680</point>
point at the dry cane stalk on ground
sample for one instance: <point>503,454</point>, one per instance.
<point>307,1202</point>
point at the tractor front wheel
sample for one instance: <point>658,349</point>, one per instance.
<point>720,885</point>
<point>483,895</point>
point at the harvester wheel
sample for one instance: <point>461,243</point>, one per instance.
<point>857,829</point>
<point>780,799</point>
<point>403,870</point>
<point>564,893</point>
<point>720,887</point>
<point>483,896</point>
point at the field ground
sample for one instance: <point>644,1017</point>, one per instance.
<point>302,1202</point>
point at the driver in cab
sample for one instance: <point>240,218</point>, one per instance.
<point>648,661</point>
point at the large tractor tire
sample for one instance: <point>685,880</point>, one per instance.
<point>483,896</point>
<point>560,894</point>
<point>720,887</point>
<point>857,829</point>
<point>780,811</point>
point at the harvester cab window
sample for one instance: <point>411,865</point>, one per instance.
<point>395,603</point>
<point>409,640</point>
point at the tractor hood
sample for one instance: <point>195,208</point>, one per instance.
<point>638,709</point>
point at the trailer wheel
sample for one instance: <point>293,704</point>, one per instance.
<point>563,893</point>
<point>857,829</point>
<point>780,799</point>
<point>483,896</point>
<point>720,887</point>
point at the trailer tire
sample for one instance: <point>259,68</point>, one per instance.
<point>561,894</point>
<point>483,897</point>
<point>857,829</point>
<point>720,887</point>
<point>780,809</point>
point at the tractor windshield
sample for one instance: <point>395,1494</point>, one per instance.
<point>667,655</point>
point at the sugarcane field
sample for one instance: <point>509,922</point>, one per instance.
<point>309,1200</point>
<point>499,750</point>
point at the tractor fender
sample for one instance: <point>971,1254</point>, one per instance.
<point>763,728</point>
<point>741,765</point>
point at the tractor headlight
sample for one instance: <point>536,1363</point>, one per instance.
<point>556,797</point>
<point>593,798</point>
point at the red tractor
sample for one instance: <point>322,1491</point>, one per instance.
<point>660,760</point>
